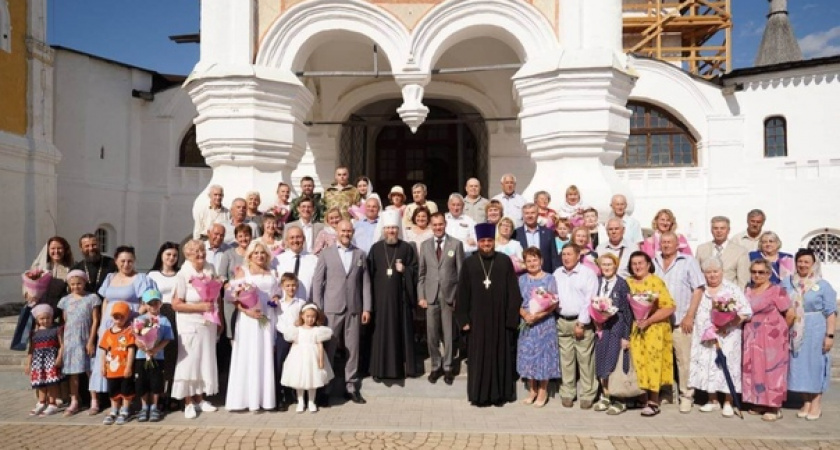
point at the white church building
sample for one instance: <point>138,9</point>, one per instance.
<point>436,92</point>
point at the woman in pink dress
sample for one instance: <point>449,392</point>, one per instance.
<point>766,348</point>
<point>664,221</point>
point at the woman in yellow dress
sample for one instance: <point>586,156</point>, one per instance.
<point>651,347</point>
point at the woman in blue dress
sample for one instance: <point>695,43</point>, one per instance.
<point>538,357</point>
<point>125,285</point>
<point>614,334</point>
<point>781,263</point>
<point>813,337</point>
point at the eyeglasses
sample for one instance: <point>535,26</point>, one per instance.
<point>759,272</point>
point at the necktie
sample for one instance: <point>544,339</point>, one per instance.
<point>439,250</point>
<point>718,250</point>
<point>606,287</point>
<point>297,264</point>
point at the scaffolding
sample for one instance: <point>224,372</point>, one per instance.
<point>694,34</point>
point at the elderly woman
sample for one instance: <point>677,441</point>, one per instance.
<point>813,335</point>
<point>252,208</point>
<point>705,374</point>
<point>505,243</point>
<point>196,374</point>
<point>663,221</point>
<point>580,236</point>
<point>538,354</point>
<point>251,381</point>
<point>764,369</point>
<point>125,285</point>
<point>493,211</point>
<point>781,264</point>
<point>328,235</point>
<point>651,342</point>
<point>614,333</point>
<point>547,217</point>
<point>57,259</point>
<point>420,231</point>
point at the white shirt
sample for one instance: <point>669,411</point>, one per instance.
<point>309,239</point>
<point>286,263</point>
<point>622,251</point>
<point>215,256</point>
<point>289,311</point>
<point>346,254</point>
<point>165,284</point>
<point>632,230</point>
<point>463,229</point>
<point>512,206</point>
<point>576,288</point>
<point>207,217</point>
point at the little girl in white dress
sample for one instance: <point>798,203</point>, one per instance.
<point>306,368</point>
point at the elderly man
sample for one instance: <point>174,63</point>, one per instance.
<point>212,214</point>
<point>617,245</point>
<point>510,200</point>
<point>474,203</point>
<point>296,260</point>
<point>215,245</point>
<point>632,227</point>
<point>749,239</point>
<point>418,193</point>
<point>341,194</point>
<point>488,309</point>
<point>440,262</point>
<point>94,264</point>
<point>368,229</point>
<point>460,226</point>
<point>238,216</point>
<point>341,288</point>
<point>735,259</point>
<point>306,222</point>
<point>577,285</point>
<point>307,189</point>
<point>685,282</point>
<point>392,264</point>
<point>532,234</point>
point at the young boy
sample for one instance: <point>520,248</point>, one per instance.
<point>148,369</point>
<point>289,310</point>
<point>118,343</point>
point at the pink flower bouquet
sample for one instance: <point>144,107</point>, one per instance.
<point>518,264</point>
<point>246,294</point>
<point>208,289</point>
<point>357,212</point>
<point>541,300</point>
<point>146,331</point>
<point>642,303</point>
<point>281,212</point>
<point>724,311</point>
<point>601,309</point>
<point>36,282</point>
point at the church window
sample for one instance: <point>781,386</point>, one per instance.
<point>827,247</point>
<point>189,154</point>
<point>657,139</point>
<point>775,137</point>
<point>102,236</point>
<point>5,27</point>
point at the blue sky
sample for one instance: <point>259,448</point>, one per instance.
<point>137,31</point>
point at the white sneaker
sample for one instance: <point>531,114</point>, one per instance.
<point>313,408</point>
<point>301,407</point>
<point>727,410</point>
<point>206,406</point>
<point>189,411</point>
<point>709,407</point>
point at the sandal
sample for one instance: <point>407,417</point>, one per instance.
<point>38,409</point>
<point>540,403</point>
<point>93,410</point>
<point>73,409</point>
<point>529,400</point>
<point>772,417</point>
<point>616,408</point>
<point>602,405</point>
<point>51,409</point>
<point>650,410</point>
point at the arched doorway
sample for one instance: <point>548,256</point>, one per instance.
<point>449,148</point>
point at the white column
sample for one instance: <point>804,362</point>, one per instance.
<point>227,32</point>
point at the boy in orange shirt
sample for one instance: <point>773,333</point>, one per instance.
<point>118,343</point>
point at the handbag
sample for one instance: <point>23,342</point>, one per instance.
<point>623,382</point>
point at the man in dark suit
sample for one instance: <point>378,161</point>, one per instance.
<point>306,222</point>
<point>437,287</point>
<point>531,234</point>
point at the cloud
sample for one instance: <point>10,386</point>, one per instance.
<point>751,28</point>
<point>821,43</point>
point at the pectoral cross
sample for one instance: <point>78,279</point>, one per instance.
<point>487,283</point>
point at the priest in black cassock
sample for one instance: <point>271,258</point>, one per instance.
<point>392,264</point>
<point>488,309</point>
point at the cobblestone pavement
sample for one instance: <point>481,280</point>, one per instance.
<point>418,415</point>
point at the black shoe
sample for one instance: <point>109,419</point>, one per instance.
<point>282,406</point>
<point>448,378</point>
<point>377,379</point>
<point>355,397</point>
<point>435,375</point>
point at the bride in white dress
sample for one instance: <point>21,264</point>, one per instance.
<point>307,368</point>
<point>251,383</point>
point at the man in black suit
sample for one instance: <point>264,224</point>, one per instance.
<point>531,234</point>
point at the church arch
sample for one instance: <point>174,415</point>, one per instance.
<point>298,32</point>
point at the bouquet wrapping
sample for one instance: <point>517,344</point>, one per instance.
<point>248,295</point>
<point>541,300</point>
<point>36,282</point>
<point>642,303</point>
<point>208,289</point>
<point>357,212</point>
<point>724,311</point>
<point>146,330</point>
<point>518,264</point>
<point>601,309</point>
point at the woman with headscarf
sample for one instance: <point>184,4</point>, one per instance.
<point>812,334</point>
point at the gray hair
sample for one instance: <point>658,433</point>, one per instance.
<point>616,220</point>
<point>538,193</point>
<point>252,194</point>
<point>670,234</point>
<point>756,212</point>
<point>771,235</point>
<point>296,227</point>
<point>419,185</point>
<point>238,199</point>
<point>718,219</point>
<point>455,196</point>
<point>761,262</point>
<point>530,205</point>
<point>213,187</point>
<point>502,180</point>
<point>217,224</point>
<point>712,264</point>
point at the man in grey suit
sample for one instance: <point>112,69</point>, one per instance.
<point>735,259</point>
<point>440,263</point>
<point>306,212</point>
<point>341,288</point>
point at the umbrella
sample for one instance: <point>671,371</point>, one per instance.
<point>720,360</point>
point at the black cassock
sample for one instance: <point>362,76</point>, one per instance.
<point>493,316</point>
<point>394,299</point>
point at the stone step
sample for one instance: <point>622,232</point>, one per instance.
<point>7,325</point>
<point>10,358</point>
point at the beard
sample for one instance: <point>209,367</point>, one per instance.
<point>391,240</point>
<point>487,253</point>
<point>93,257</point>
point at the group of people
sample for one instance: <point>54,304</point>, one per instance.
<point>342,278</point>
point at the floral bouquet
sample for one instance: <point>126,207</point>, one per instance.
<point>601,309</point>
<point>576,219</point>
<point>36,282</point>
<point>248,295</point>
<point>146,331</point>
<point>546,221</point>
<point>518,264</point>
<point>277,249</point>
<point>724,311</point>
<point>541,301</point>
<point>208,288</point>
<point>641,304</point>
<point>357,212</point>
<point>281,212</point>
